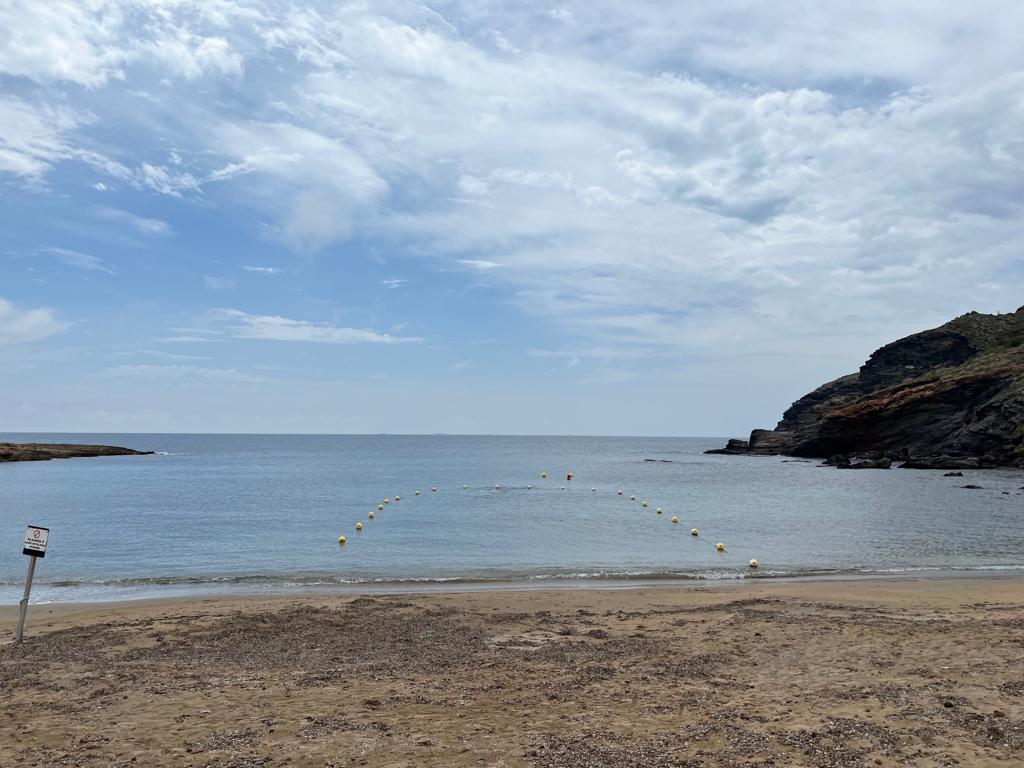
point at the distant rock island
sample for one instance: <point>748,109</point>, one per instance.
<point>948,398</point>
<point>46,451</point>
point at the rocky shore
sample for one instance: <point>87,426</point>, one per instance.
<point>947,398</point>
<point>47,451</point>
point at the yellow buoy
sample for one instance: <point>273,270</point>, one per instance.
<point>593,489</point>
<point>643,503</point>
<point>380,506</point>
<point>543,474</point>
<point>632,498</point>
<point>563,487</point>
<point>434,488</point>
<point>753,563</point>
<point>720,547</point>
<point>693,531</point>
<point>342,539</point>
<point>658,510</point>
<point>371,515</point>
<point>620,493</point>
<point>675,519</point>
<point>529,487</point>
<point>497,487</point>
<point>387,501</point>
<point>417,493</point>
<point>359,526</point>
<point>465,487</point>
<point>398,498</point>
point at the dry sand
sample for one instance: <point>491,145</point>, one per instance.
<point>921,673</point>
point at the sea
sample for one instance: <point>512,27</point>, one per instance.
<point>243,514</point>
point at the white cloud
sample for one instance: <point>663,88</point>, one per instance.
<point>262,270</point>
<point>32,138</point>
<point>874,40</point>
<point>73,40</point>
<point>146,226</point>
<point>193,56</point>
<point>229,171</point>
<point>472,186</point>
<point>655,178</point>
<point>145,176</point>
<point>164,181</point>
<point>79,260</point>
<point>193,335</point>
<point>179,373</point>
<point>276,328</point>
<point>91,42</point>
<point>327,183</point>
<point>481,265</point>
<point>394,283</point>
<point>18,325</point>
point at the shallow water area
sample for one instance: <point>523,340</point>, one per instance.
<point>262,513</point>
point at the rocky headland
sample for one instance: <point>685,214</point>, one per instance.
<point>47,451</point>
<point>947,398</point>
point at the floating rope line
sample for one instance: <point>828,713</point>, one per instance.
<point>719,547</point>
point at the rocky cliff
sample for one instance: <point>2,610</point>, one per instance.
<point>45,451</point>
<point>951,397</point>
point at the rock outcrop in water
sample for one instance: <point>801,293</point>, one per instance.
<point>948,398</point>
<point>46,451</point>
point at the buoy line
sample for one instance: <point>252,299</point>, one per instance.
<point>719,547</point>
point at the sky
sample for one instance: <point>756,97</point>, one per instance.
<point>593,217</point>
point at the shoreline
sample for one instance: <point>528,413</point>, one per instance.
<point>283,588</point>
<point>845,585</point>
<point>808,674</point>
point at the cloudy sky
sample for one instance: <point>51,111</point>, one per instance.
<point>582,217</point>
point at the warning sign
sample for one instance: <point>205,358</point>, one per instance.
<point>35,541</point>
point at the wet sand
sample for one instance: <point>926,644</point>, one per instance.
<point>769,673</point>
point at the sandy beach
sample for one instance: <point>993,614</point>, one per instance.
<point>770,673</point>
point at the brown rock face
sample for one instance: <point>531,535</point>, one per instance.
<point>947,398</point>
<point>45,451</point>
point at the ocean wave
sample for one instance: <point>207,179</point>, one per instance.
<point>306,580</point>
<point>312,580</point>
<point>929,568</point>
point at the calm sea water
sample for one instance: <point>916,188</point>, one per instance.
<point>263,513</point>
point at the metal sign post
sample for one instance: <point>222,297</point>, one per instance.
<point>34,547</point>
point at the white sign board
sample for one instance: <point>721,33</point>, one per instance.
<point>35,541</point>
